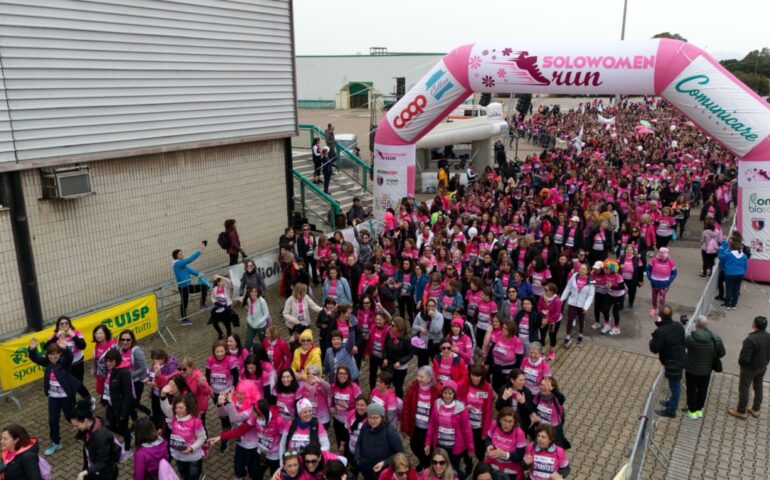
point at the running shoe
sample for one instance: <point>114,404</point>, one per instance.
<point>615,332</point>
<point>567,342</point>
<point>52,448</point>
<point>186,322</point>
<point>551,355</point>
<point>596,326</point>
<point>652,312</point>
<point>606,328</point>
<point>580,341</point>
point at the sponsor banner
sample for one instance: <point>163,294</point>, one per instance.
<point>267,266</point>
<point>753,174</point>
<point>720,106</point>
<point>623,68</point>
<point>755,219</point>
<point>393,166</point>
<point>139,315</point>
<point>425,102</point>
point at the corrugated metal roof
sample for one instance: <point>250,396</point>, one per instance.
<point>84,77</point>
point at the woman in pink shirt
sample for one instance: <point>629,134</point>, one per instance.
<point>549,306</point>
<point>449,427</point>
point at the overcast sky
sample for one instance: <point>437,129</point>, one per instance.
<point>725,29</point>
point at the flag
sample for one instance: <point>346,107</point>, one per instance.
<point>605,121</point>
<point>579,141</point>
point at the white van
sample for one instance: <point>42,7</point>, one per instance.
<point>464,112</point>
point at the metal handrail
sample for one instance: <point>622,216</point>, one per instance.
<point>334,206</point>
<point>314,129</point>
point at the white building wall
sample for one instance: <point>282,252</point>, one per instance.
<point>321,77</point>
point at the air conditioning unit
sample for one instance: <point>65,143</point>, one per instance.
<point>67,183</point>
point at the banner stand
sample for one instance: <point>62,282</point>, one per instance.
<point>10,396</point>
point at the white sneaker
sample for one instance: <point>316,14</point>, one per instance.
<point>615,331</point>
<point>596,326</point>
<point>606,328</point>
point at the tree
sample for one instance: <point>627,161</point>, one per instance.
<point>758,83</point>
<point>672,36</point>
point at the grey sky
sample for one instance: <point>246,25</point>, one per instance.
<point>724,29</point>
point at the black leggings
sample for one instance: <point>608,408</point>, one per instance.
<point>190,470</point>
<point>119,426</point>
<point>406,308</point>
<point>417,444</point>
<point>185,294</point>
<point>707,260</point>
<point>78,371</point>
<point>631,286</point>
<point>399,376</point>
<point>374,367</point>
<point>613,305</point>
<point>342,435</point>
<point>599,305</point>
<point>549,331</point>
<point>572,314</point>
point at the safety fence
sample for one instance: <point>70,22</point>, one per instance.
<point>659,388</point>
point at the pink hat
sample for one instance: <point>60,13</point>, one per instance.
<point>449,384</point>
<point>458,321</point>
<point>664,251</point>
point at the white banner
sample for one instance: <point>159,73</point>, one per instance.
<point>756,221</point>
<point>753,174</point>
<point>267,266</point>
<point>394,170</point>
<point>606,121</point>
<point>621,68</point>
<point>721,107</point>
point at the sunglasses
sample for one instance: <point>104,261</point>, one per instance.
<point>305,340</point>
<point>183,369</point>
<point>125,339</point>
<point>444,349</point>
<point>439,462</point>
<point>310,461</point>
<point>290,453</point>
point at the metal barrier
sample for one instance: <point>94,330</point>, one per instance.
<point>304,184</point>
<point>649,418</point>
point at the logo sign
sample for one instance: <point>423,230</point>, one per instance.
<point>425,102</point>
<point>757,224</point>
<point>624,68</point>
<point>720,106</point>
<point>755,215</point>
<point>139,315</point>
<point>412,110</point>
<point>380,181</point>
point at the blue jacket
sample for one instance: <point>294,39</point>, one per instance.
<point>408,287</point>
<point>733,263</point>
<point>523,290</point>
<point>419,288</point>
<point>343,292</point>
<point>183,271</point>
<point>343,356</point>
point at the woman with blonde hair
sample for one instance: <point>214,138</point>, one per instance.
<point>297,309</point>
<point>440,467</point>
<point>400,469</point>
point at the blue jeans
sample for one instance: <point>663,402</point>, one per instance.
<point>732,289</point>
<point>55,407</point>
<point>675,385</point>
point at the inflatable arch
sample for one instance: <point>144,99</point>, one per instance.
<point>682,73</point>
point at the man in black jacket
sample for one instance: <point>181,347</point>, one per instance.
<point>668,342</point>
<point>753,359</point>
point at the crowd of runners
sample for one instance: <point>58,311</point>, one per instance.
<point>433,336</point>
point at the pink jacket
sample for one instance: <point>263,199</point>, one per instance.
<point>553,307</point>
<point>461,424</point>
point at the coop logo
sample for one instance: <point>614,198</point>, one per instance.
<point>437,85</point>
<point>758,205</point>
<point>758,224</point>
<point>412,110</point>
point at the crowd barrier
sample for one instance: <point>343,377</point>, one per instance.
<point>659,388</point>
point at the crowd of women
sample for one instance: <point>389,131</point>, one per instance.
<point>437,332</point>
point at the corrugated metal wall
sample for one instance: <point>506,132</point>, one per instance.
<point>95,77</point>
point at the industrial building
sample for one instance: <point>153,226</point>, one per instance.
<point>129,130</point>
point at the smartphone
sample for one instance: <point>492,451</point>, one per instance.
<point>205,243</point>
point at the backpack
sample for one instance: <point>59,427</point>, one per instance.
<point>45,468</point>
<point>711,246</point>
<point>223,240</point>
<point>166,471</point>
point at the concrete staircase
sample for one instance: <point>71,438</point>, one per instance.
<point>342,189</point>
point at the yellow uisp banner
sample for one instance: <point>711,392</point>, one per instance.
<point>139,315</point>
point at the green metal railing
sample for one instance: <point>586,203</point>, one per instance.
<point>361,166</point>
<point>304,184</point>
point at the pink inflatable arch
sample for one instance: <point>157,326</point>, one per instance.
<point>681,73</point>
